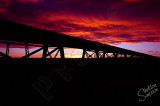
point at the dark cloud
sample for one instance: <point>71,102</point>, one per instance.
<point>107,21</point>
<point>125,36</point>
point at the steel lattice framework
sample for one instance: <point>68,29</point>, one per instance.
<point>12,32</point>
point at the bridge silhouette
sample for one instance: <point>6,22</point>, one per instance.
<point>16,33</point>
<point>101,81</point>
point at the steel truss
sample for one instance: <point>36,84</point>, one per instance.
<point>104,54</point>
<point>45,54</point>
<point>45,39</point>
<point>85,54</point>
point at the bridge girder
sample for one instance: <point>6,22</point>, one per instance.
<point>41,37</point>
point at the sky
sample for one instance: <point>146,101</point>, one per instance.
<point>130,24</point>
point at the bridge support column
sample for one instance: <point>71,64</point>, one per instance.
<point>132,56</point>
<point>84,53</point>
<point>26,50</point>
<point>7,48</point>
<point>115,55</point>
<point>125,56</point>
<point>61,49</point>
<point>104,53</point>
<point>97,54</point>
<point>45,50</point>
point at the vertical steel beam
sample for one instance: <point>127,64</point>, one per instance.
<point>84,53</point>
<point>104,53</point>
<point>7,48</point>
<point>132,56</point>
<point>26,50</point>
<point>115,55</point>
<point>61,49</point>
<point>97,53</point>
<point>125,55</point>
<point>45,50</point>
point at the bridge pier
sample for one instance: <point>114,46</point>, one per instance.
<point>97,54</point>
<point>104,54</point>
<point>26,50</point>
<point>7,51</point>
<point>61,49</point>
<point>45,50</point>
<point>125,56</point>
<point>7,48</point>
<point>84,53</point>
<point>115,55</point>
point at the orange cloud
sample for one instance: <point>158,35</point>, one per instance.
<point>100,29</point>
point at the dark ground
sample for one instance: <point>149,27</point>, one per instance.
<point>104,82</point>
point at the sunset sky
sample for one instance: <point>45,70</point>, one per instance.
<point>130,24</point>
